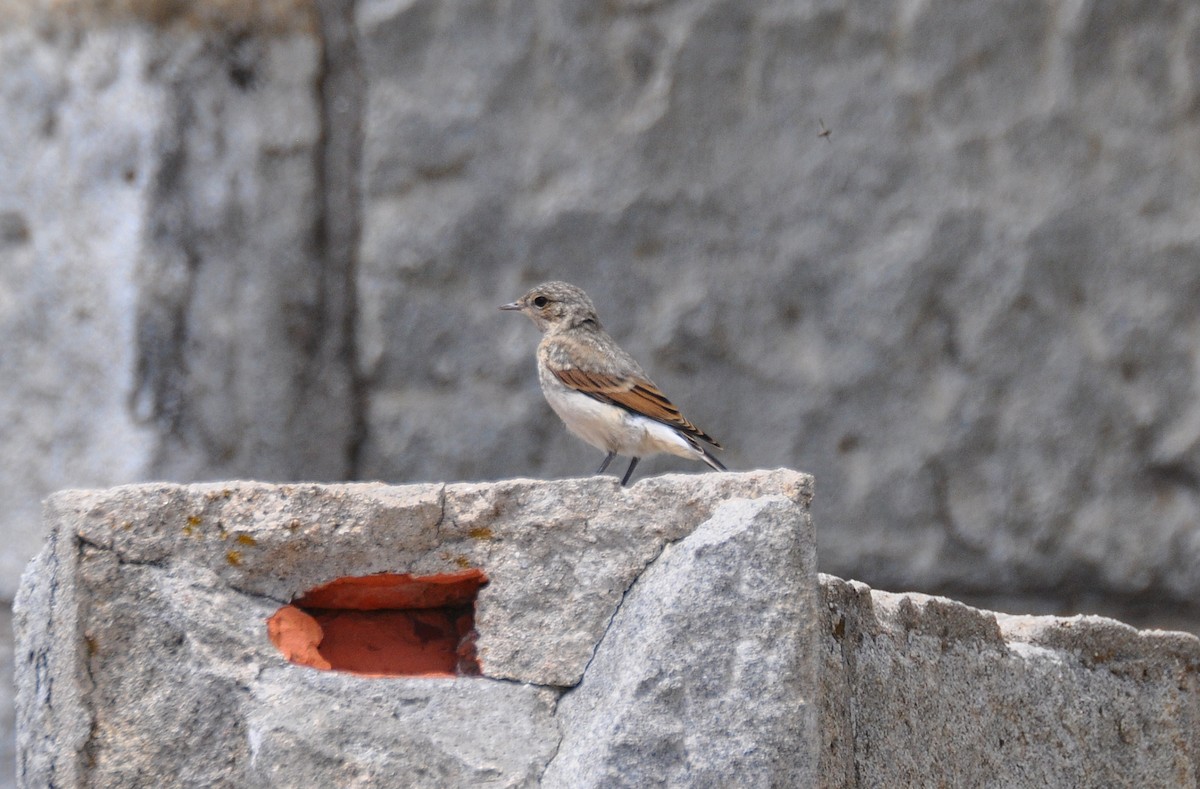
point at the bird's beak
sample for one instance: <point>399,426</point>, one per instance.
<point>514,306</point>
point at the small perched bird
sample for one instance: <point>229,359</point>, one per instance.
<point>598,390</point>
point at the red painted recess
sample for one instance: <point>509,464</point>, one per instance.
<point>384,625</point>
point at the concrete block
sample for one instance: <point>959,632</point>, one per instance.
<point>925,691</point>
<point>8,728</point>
<point>669,633</point>
<point>144,649</point>
<point>705,675</point>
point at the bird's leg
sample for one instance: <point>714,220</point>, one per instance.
<point>628,472</point>
<point>607,459</point>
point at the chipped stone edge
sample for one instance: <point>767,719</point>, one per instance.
<point>47,712</point>
<point>66,717</point>
<point>812,706</point>
<point>851,610</point>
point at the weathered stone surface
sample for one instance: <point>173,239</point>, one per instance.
<point>8,729</point>
<point>703,678</point>
<point>559,557</point>
<point>969,311</point>
<point>169,310</point>
<point>972,302</point>
<point>172,303</point>
<point>144,650</point>
<point>924,691</point>
<point>166,673</point>
<point>425,733</point>
<point>228,16</point>
<point>714,655</point>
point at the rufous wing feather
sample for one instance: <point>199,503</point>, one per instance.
<point>636,395</point>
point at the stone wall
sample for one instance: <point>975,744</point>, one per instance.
<point>171,310</point>
<point>266,240</point>
<point>925,691</point>
<point>270,242</point>
<point>673,633</point>
<point>623,635</point>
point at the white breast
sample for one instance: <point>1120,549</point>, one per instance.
<point>610,428</point>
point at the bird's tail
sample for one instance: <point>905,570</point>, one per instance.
<point>708,458</point>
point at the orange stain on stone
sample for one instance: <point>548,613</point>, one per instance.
<point>384,625</point>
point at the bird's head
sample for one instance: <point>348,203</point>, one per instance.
<point>556,306</point>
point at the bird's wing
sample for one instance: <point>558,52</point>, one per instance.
<point>636,395</point>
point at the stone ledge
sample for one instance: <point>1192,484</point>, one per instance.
<point>675,632</point>
<point>559,555</point>
<point>924,691</point>
<point>144,648</point>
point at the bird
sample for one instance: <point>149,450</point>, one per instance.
<point>598,390</point>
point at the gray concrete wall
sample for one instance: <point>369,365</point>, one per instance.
<point>267,239</point>
<point>271,246</point>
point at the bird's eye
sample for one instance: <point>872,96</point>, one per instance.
<point>541,301</point>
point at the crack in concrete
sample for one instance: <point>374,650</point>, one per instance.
<point>850,631</point>
<point>259,596</point>
<point>599,642</point>
<point>557,744</point>
<point>165,564</point>
<point>624,594</point>
<point>437,527</point>
<point>122,559</point>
